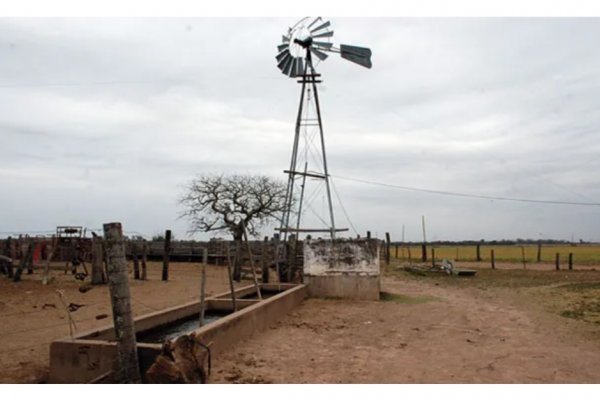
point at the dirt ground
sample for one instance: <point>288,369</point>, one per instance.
<point>31,314</point>
<point>503,326</point>
<point>500,327</point>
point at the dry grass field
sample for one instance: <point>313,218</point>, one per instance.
<point>583,254</point>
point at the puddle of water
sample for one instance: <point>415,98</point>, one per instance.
<point>264,293</point>
<point>175,329</point>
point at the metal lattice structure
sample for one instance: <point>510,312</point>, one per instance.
<point>307,40</point>
<point>307,43</point>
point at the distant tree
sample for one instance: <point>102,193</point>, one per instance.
<point>230,204</point>
<point>160,237</point>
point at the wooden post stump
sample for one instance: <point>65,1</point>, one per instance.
<point>166,255</point>
<point>97,261</point>
<point>25,260</point>
<point>571,261</point>
<point>202,292</point>
<point>493,259</point>
<point>387,248</point>
<point>424,252</point>
<point>478,252</point>
<point>557,261</point>
<point>127,369</point>
<point>144,260</point>
<point>264,265</point>
<point>136,261</point>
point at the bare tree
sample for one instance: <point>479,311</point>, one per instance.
<point>230,203</point>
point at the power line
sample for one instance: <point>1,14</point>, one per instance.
<point>342,206</point>
<point>468,195</point>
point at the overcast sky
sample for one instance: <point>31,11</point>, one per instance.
<point>106,119</point>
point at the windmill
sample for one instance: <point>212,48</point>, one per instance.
<point>308,39</point>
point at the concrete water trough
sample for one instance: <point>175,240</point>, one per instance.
<point>90,355</point>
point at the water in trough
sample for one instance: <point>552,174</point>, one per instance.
<point>178,328</point>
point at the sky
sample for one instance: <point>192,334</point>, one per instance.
<point>107,119</point>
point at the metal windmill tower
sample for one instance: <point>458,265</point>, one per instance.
<point>308,39</point>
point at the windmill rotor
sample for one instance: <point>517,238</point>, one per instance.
<point>312,37</point>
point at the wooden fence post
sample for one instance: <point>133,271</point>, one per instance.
<point>433,256</point>
<point>570,261</point>
<point>30,251</point>
<point>368,234</point>
<point>493,259</point>
<point>25,260</point>
<point>136,260</point>
<point>237,260</point>
<point>387,248</point>
<point>202,292</point>
<point>166,254</point>
<point>230,275</point>
<point>424,252</point>
<point>97,260</point>
<point>557,261</point>
<point>523,257</point>
<point>478,252</point>
<point>49,256</point>
<point>291,257</point>
<point>264,265</point>
<point>396,251</point>
<point>539,252</point>
<point>205,255</point>
<point>144,260</point>
<point>127,367</point>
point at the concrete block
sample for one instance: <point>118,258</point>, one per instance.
<point>347,268</point>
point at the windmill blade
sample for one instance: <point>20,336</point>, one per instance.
<point>322,56</point>
<point>288,66</point>
<point>322,26</point>
<point>324,34</point>
<point>358,55</point>
<point>314,22</point>
<point>323,45</point>
<point>282,47</point>
<point>284,61</point>
<point>282,55</point>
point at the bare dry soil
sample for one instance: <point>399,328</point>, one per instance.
<point>502,326</point>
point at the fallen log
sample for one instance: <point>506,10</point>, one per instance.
<point>181,361</point>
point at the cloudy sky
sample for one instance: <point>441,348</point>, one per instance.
<point>107,119</point>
